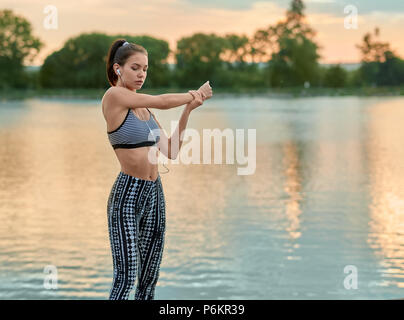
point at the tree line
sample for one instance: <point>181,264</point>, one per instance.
<point>281,55</point>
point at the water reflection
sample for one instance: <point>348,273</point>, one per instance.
<point>293,189</point>
<point>386,186</point>
<point>327,192</point>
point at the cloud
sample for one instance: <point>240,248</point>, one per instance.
<point>325,6</point>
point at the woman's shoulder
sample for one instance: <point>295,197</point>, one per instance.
<point>111,93</point>
<point>110,101</point>
<point>112,96</point>
<point>118,96</point>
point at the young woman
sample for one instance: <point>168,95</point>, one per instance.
<point>136,204</point>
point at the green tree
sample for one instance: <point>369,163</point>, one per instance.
<point>380,65</point>
<point>235,50</point>
<point>294,52</point>
<point>373,50</point>
<point>198,59</point>
<point>82,60</point>
<point>391,71</point>
<point>335,77</point>
<point>295,62</point>
<point>236,72</point>
<point>79,64</point>
<point>18,46</point>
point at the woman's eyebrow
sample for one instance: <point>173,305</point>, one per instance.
<point>140,64</point>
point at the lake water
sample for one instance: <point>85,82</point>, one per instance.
<point>322,216</point>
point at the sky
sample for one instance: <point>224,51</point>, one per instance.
<point>171,20</point>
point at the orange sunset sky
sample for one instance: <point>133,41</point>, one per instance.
<point>172,19</point>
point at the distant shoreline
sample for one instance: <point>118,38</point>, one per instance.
<point>18,94</point>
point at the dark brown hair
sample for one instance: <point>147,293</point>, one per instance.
<point>119,54</point>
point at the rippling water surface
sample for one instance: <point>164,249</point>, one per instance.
<point>324,207</point>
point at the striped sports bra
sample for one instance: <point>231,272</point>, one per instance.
<point>135,133</point>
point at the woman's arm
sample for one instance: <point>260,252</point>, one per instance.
<point>175,141</point>
<point>170,147</point>
<point>129,99</point>
<point>173,100</point>
<point>163,144</point>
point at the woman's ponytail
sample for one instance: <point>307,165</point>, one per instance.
<point>112,77</point>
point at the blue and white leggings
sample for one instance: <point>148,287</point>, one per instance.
<point>136,224</point>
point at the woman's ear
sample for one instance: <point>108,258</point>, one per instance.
<point>116,67</point>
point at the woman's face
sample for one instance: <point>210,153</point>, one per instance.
<point>134,71</point>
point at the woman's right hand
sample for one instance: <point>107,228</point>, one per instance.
<point>196,102</point>
<point>206,90</point>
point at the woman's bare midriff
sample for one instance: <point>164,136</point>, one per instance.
<point>135,162</point>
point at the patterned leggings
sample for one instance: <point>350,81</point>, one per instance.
<point>136,224</point>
